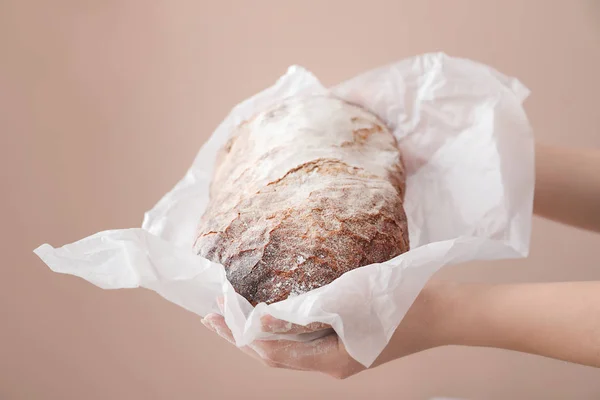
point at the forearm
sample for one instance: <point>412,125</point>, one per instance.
<point>557,320</point>
<point>567,186</point>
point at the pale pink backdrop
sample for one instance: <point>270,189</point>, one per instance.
<point>103,105</point>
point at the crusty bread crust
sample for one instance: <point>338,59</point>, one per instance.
<point>302,193</point>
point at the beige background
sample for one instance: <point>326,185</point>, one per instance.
<point>103,105</point>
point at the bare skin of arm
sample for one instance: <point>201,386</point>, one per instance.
<point>567,187</point>
<point>556,320</point>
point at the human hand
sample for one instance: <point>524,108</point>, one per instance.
<point>327,354</point>
<point>557,320</point>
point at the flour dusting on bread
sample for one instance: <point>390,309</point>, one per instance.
<point>302,193</point>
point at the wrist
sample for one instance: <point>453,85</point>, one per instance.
<point>444,304</point>
<point>457,316</point>
<point>436,318</point>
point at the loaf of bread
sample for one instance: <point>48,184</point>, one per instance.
<point>302,193</point>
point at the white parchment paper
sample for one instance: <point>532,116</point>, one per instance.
<point>469,156</point>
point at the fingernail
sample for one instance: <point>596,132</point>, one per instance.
<point>220,332</point>
<point>214,325</point>
<point>220,304</point>
<point>208,324</point>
